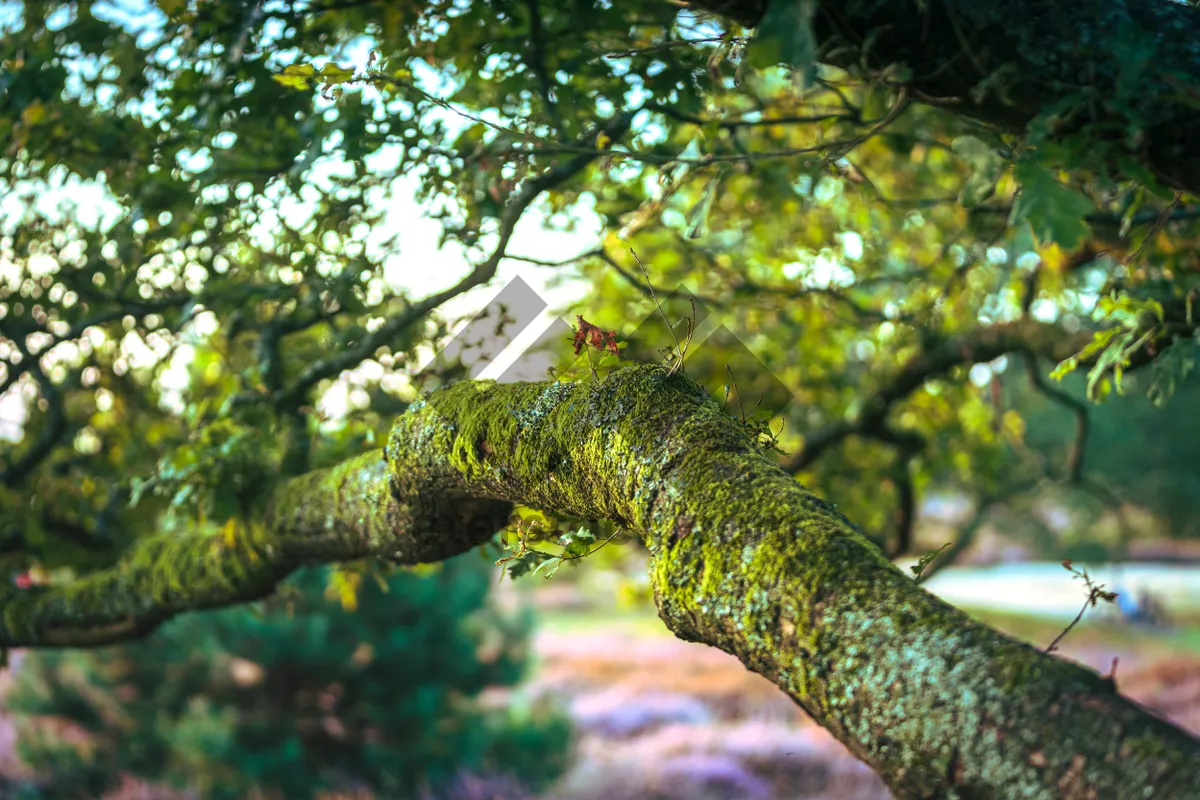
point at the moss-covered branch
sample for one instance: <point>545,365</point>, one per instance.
<point>350,511</point>
<point>743,558</point>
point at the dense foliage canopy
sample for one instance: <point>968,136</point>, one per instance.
<point>205,222</point>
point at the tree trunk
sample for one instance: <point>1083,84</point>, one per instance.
<point>743,558</point>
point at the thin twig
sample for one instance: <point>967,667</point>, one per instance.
<point>1095,592</point>
<point>1157,226</point>
<point>680,350</point>
<point>657,48</point>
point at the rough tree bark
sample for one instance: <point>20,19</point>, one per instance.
<point>1112,67</point>
<point>743,558</point>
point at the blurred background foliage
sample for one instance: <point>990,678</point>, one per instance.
<point>211,279</point>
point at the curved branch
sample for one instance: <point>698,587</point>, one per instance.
<point>909,445</point>
<point>346,512</point>
<point>742,558</point>
<point>966,534</point>
<point>537,58</point>
<point>971,347</point>
<point>964,539</point>
<point>735,124</point>
<point>15,473</point>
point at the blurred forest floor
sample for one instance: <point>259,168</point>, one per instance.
<point>662,719</point>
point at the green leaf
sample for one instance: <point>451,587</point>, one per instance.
<point>577,543</point>
<point>1112,359</point>
<point>697,215</point>
<point>786,36</point>
<point>296,76</point>
<point>1134,312</point>
<point>1055,213</point>
<point>331,74</point>
<point>527,563</point>
<point>553,562</point>
<point>987,166</point>
<point>584,535</point>
<point>1100,340</point>
<point>1135,170</point>
<point>1172,368</point>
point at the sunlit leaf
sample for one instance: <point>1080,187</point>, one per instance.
<point>296,76</point>
<point>332,74</point>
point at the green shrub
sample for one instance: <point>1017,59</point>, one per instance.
<point>377,691</point>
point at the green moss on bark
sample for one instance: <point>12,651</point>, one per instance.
<point>743,558</point>
<point>746,559</point>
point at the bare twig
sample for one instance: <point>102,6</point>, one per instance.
<point>1095,592</point>
<point>596,252</point>
<point>680,349</point>
<point>1162,219</point>
<point>658,48</point>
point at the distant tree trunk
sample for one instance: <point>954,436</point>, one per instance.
<point>743,558</point>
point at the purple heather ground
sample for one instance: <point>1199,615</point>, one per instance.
<point>661,719</point>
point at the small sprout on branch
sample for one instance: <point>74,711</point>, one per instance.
<point>918,569</point>
<point>1111,677</point>
<point>1096,591</point>
<point>757,423</point>
<point>526,560</point>
<point>674,357</point>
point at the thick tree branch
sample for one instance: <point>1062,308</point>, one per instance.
<point>743,558</point>
<point>1076,406</point>
<point>343,513</point>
